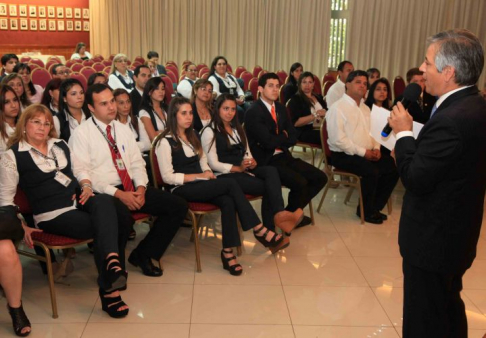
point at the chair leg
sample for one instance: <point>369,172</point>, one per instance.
<point>313,151</point>
<point>324,195</point>
<point>311,211</point>
<point>50,277</point>
<point>348,195</point>
<point>361,207</point>
<point>196,240</point>
<point>390,206</point>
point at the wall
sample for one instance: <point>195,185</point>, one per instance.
<point>47,42</point>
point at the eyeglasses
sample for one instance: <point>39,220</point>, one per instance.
<point>120,61</point>
<point>65,72</point>
<point>39,124</point>
<point>203,89</point>
<point>192,70</point>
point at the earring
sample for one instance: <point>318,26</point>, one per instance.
<point>24,131</point>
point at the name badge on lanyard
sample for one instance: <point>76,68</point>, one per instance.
<point>62,178</point>
<point>59,176</point>
<point>120,164</point>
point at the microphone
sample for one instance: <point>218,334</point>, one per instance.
<point>410,95</point>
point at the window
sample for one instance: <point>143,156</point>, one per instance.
<point>337,43</point>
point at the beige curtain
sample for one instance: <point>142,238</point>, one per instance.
<point>271,33</point>
<point>390,34</point>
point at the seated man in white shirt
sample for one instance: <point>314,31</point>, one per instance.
<point>337,89</point>
<point>109,151</point>
<point>354,150</point>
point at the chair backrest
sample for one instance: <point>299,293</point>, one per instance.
<point>253,87</point>
<point>97,59</point>
<point>107,63</point>
<point>332,75</point>
<point>282,75</point>
<point>98,66</point>
<point>172,75</point>
<point>263,71</point>
<point>111,57</point>
<point>256,71</point>
<point>398,86</point>
<point>204,76</point>
<point>246,77</point>
<point>202,71</point>
<point>317,86</point>
<point>25,59</point>
<point>81,79</point>
<point>324,144</point>
<point>69,63</point>
<point>326,87</point>
<point>37,62</point>
<point>154,164</point>
<point>50,63</point>
<point>139,59</point>
<point>201,66</point>
<point>174,70</point>
<point>239,70</point>
<point>281,97</point>
<point>88,63</point>
<point>22,202</point>
<point>229,69</point>
<point>76,67</point>
<point>169,88</point>
<point>40,76</point>
<point>171,63</point>
<point>87,71</point>
<point>34,66</point>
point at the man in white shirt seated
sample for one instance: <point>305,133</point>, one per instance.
<point>354,150</point>
<point>337,89</point>
<point>109,151</point>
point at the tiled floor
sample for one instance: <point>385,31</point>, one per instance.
<point>337,279</point>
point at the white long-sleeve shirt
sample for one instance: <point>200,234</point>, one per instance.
<point>143,142</point>
<point>229,81</point>
<point>348,126</point>
<point>335,92</point>
<point>185,87</point>
<point>115,83</point>
<point>93,150</point>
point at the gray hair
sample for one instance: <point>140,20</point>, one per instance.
<point>461,49</point>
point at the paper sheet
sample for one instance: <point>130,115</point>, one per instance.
<point>379,118</point>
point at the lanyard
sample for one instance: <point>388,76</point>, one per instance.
<point>189,145</point>
<point>111,144</point>
<point>237,140</point>
<point>53,158</point>
<point>161,120</point>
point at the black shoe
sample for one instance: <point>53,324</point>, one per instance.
<point>145,263</point>
<point>374,218</point>
<point>19,320</point>
<point>305,221</point>
<point>383,216</point>
<point>111,305</point>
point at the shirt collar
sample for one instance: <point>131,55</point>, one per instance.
<point>446,95</point>
<point>25,146</point>
<point>351,100</point>
<point>101,124</point>
<point>269,106</point>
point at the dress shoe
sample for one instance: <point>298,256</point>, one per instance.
<point>374,218</point>
<point>305,221</point>
<point>382,215</point>
<point>145,263</point>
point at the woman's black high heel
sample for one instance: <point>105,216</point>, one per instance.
<point>231,268</point>
<point>19,320</point>
<point>111,305</point>
<point>114,274</point>
<point>273,244</point>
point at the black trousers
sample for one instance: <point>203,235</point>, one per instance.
<point>228,196</point>
<point>310,136</point>
<point>432,304</point>
<point>378,179</point>
<point>303,179</point>
<point>96,219</point>
<point>170,211</point>
<point>266,183</point>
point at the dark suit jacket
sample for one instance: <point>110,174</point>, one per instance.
<point>161,70</point>
<point>289,89</point>
<point>136,99</point>
<point>262,134</point>
<point>444,173</point>
<point>297,108</point>
<point>419,114</point>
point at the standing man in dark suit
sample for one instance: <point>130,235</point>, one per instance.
<point>154,57</point>
<point>270,134</point>
<point>444,173</point>
<point>141,75</point>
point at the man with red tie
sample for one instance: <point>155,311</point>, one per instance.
<point>270,135</point>
<point>107,148</point>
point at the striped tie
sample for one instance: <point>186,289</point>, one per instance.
<point>123,173</point>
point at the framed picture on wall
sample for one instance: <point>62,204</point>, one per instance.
<point>42,11</point>
<point>32,11</point>
<point>52,25</point>
<point>60,25</point>
<point>3,9</point>
<point>12,10</point>
<point>77,13</point>
<point>60,12</point>
<point>24,25</point>
<point>22,10</point>
<point>14,24</point>
<point>51,12</point>
<point>85,13</point>
<point>33,24</point>
<point>77,26</point>
<point>69,13</point>
<point>86,26</point>
<point>43,25</point>
<point>3,24</point>
<point>69,25</point>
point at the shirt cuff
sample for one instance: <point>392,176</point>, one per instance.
<point>179,178</point>
<point>404,134</point>
<point>361,151</point>
<point>110,190</point>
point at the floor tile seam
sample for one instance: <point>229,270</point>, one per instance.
<point>90,315</point>
<point>470,299</point>
<point>383,307</point>
<point>285,296</point>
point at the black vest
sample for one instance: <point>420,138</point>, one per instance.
<point>181,163</point>
<point>65,131</point>
<point>122,80</point>
<point>227,153</point>
<point>43,191</point>
<point>153,118</point>
<point>222,86</point>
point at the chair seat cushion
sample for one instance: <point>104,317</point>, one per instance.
<point>308,144</point>
<point>139,215</point>
<point>55,240</point>
<point>199,206</point>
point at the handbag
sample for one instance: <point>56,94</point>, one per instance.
<point>10,225</point>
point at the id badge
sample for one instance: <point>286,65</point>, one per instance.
<point>232,91</point>
<point>120,164</point>
<point>63,179</point>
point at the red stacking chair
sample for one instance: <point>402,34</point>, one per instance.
<point>88,63</point>
<point>317,86</point>
<point>171,63</point>
<point>246,77</point>
<point>201,66</point>
<point>77,67</point>
<point>174,70</point>
<point>99,57</point>
<point>173,77</point>
<point>69,63</point>
<point>40,76</point>
<point>139,59</point>
<point>229,69</point>
<point>107,71</point>
<point>203,71</point>
<point>25,59</point>
<point>81,79</point>
<point>98,67</point>
<point>398,86</point>
<point>326,87</point>
<point>107,63</point>
<point>239,70</point>
<point>253,88</point>
<point>169,88</point>
<point>111,57</point>
<point>87,72</point>
<point>50,63</point>
<point>37,62</point>
<point>282,75</point>
<point>257,70</point>
<point>261,73</point>
<point>205,76</point>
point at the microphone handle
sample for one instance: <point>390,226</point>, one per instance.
<point>387,130</point>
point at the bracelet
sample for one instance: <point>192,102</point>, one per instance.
<point>86,185</point>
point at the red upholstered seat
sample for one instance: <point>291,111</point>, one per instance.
<point>202,207</point>
<point>139,215</point>
<point>40,76</point>
<point>55,240</point>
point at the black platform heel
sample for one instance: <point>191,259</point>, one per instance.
<point>111,305</point>
<point>19,320</point>
<point>231,268</point>
<point>114,274</point>
<point>273,244</point>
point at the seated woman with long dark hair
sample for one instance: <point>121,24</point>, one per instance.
<point>34,92</point>
<point>378,94</point>
<point>153,108</point>
<point>226,147</point>
<point>50,97</point>
<point>306,108</point>
<point>9,113</point>
<point>184,167</point>
<point>72,108</point>
<point>290,88</point>
<point>97,78</point>
<point>43,168</point>
<point>202,100</point>
<point>15,81</point>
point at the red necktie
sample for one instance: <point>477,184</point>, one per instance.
<point>274,116</point>
<point>123,173</point>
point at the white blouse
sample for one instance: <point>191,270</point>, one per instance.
<point>3,141</point>
<point>144,140</point>
<point>160,123</point>
<point>73,123</point>
<point>115,83</point>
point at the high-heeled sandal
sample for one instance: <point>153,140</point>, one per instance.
<point>273,244</point>
<point>19,320</point>
<point>231,268</point>
<point>111,305</point>
<point>114,274</point>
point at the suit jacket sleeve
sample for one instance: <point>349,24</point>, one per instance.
<point>422,164</point>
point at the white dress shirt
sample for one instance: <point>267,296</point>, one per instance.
<point>73,123</point>
<point>348,126</point>
<point>37,97</point>
<point>10,175</point>
<point>143,142</point>
<point>164,158</point>
<point>160,123</point>
<point>228,82</point>
<point>185,87</point>
<point>93,150</point>
<point>335,92</point>
<point>3,141</point>
<point>77,56</point>
<point>212,153</point>
<point>115,83</point>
